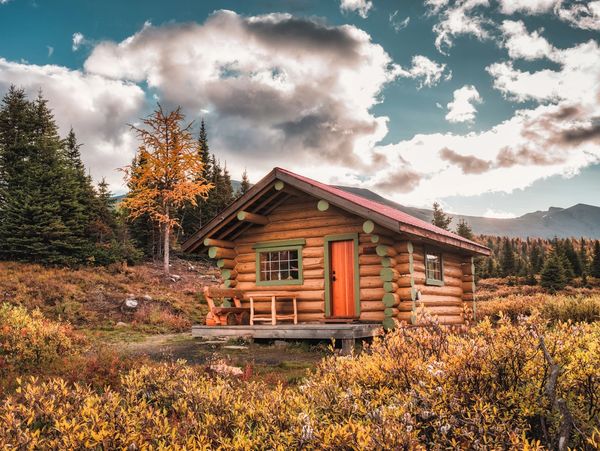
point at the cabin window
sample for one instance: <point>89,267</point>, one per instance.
<point>434,268</point>
<point>279,263</point>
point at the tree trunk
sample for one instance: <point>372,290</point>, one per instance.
<point>166,244</point>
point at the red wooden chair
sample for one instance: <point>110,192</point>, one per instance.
<point>225,316</point>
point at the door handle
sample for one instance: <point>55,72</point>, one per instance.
<point>333,276</point>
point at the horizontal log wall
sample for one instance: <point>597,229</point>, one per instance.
<point>446,301</point>
<point>301,218</point>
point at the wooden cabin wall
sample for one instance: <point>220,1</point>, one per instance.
<point>446,302</point>
<point>300,218</point>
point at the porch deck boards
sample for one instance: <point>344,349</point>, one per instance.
<point>315,331</point>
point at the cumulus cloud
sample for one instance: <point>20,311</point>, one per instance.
<point>579,14</point>
<point>522,44</point>
<point>462,108</point>
<point>398,24</point>
<point>97,108</point>
<point>460,17</point>
<point>78,39</point>
<point>427,72</point>
<point>362,7</point>
<point>267,82</point>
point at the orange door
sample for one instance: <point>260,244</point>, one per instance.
<point>341,274</point>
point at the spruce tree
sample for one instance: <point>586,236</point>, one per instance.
<point>440,219</point>
<point>553,274</point>
<point>595,268</point>
<point>583,257</point>
<point>572,257</point>
<point>464,229</point>
<point>245,185</point>
<point>507,258</point>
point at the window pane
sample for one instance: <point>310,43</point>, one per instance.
<point>279,265</point>
<point>433,266</point>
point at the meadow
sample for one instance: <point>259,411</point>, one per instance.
<point>525,374</point>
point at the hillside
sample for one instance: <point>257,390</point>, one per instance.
<point>580,220</point>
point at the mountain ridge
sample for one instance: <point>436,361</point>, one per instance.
<point>579,220</point>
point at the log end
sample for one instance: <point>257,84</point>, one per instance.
<point>368,226</point>
<point>322,205</point>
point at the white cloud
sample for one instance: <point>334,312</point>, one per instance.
<point>50,50</point>
<point>268,82</point>
<point>362,7</point>
<point>97,108</point>
<point>78,40</point>
<point>579,14</point>
<point>522,44</point>
<point>458,18</point>
<point>462,108</point>
<point>398,24</point>
<point>427,72</point>
<point>574,81</point>
<point>491,213</point>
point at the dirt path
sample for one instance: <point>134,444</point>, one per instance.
<point>284,361</point>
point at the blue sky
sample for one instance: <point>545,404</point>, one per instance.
<point>472,103</point>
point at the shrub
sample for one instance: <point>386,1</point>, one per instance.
<point>553,308</point>
<point>416,388</point>
<point>28,340</point>
<point>158,318</point>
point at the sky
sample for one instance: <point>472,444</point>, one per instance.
<point>489,107</point>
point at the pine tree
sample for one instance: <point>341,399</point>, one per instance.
<point>464,229</point>
<point>43,218</point>
<point>572,257</point>
<point>440,219</point>
<point>507,259</point>
<point>245,185</point>
<point>583,257</point>
<point>595,269</point>
<point>553,274</point>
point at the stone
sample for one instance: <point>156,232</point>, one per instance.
<point>131,303</point>
<point>147,298</point>
<point>175,278</point>
<point>226,370</point>
<point>235,347</point>
<point>121,324</point>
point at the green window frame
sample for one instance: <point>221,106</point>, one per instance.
<point>327,261</point>
<point>279,247</point>
<point>434,267</point>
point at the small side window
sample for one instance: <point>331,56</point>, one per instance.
<point>279,262</point>
<point>434,268</point>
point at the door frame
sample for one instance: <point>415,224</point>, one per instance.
<point>327,263</point>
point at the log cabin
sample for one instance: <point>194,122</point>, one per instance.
<point>344,257</point>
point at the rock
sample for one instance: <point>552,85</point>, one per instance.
<point>121,324</point>
<point>131,304</point>
<point>175,278</point>
<point>280,344</point>
<point>235,347</point>
<point>226,370</point>
<point>147,298</point>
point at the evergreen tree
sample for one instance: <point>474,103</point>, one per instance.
<point>245,185</point>
<point>572,257</point>
<point>507,258</point>
<point>553,274</point>
<point>583,257</point>
<point>43,218</point>
<point>440,219</point>
<point>464,229</point>
<point>595,269</point>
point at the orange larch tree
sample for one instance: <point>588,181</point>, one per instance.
<point>166,173</point>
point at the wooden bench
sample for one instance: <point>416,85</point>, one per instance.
<point>273,316</point>
<point>223,316</point>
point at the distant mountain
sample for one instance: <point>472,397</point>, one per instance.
<point>576,221</point>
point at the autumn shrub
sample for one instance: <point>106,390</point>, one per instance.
<point>29,341</point>
<point>159,318</point>
<point>554,308</point>
<point>485,387</point>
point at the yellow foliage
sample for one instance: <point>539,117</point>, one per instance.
<point>416,388</point>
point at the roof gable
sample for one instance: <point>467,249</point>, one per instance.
<point>265,197</point>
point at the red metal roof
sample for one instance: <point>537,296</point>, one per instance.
<point>382,209</point>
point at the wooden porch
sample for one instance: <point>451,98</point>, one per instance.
<point>346,332</point>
